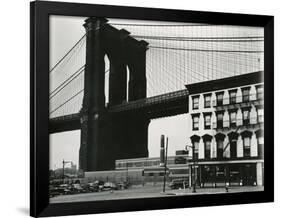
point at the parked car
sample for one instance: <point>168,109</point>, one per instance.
<point>122,185</point>
<point>109,186</point>
<point>90,187</point>
<point>76,188</point>
<point>178,183</point>
<point>54,191</point>
<point>98,185</point>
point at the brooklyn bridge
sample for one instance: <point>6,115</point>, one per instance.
<point>120,76</point>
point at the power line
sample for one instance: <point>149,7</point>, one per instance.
<point>68,81</point>
<point>66,84</point>
<point>201,39</point>
<point>206,50</point>
<point>67,53</point>
<point>72,97</point>
<point>65,81</point>
<point>161,25</point>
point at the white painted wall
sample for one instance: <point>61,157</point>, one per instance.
<point>226,119</point>
<point>15,20</point>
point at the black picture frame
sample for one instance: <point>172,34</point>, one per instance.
<point>39,108</point>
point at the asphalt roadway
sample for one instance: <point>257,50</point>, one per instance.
<point>147,192</point>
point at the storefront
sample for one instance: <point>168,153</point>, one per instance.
<point>233,174</point>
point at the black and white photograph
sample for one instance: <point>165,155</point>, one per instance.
<point>141,108</point>
<point>149,109</point>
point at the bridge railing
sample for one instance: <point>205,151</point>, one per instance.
<point>66,117</point>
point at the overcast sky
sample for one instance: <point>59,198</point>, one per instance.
<point>66,31</point>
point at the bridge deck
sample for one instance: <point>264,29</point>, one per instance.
<point>148,102</point>
<point>153,107</point>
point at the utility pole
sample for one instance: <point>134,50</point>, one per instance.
<point>63,163</point>
<point>193,157</point>
<point>165,165</point>
<point>127,173</point>
<point>63,171</point>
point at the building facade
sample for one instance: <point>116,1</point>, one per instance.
<point>226,131</point>
<point>153,169</point>
<point>225,139</point>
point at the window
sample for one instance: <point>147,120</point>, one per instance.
<point>195,121</point>
<point>260,115</point>
<point>195,145</point>
<point>207,145</point>
<point>207,101</point>
<point>232,96</point>
<point>232,116</point>
<point>259,90</point>
<point>233,148</point>
<point>196,150</point>
<point>195,102</point>
<point>219,98</point>
<point>233,137</point>
<point>207,121</point>
<point>220,120</point>
<point>246,116</point>
<point>247,146</point>
<point>260,146</point>
<point>220,148</point>
<point>207,149</point>
<point>246,94</point>
<point>220,144</point>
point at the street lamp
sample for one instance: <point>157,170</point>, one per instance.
<point>193,181</point>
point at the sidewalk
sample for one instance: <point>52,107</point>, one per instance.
<point>219,190</point>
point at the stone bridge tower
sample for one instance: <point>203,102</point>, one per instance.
<point>107,136</point>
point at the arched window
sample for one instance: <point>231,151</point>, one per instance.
<point>260,139</point>
<point>233,136</point>
<point>115,80</point>
<point>246,136</point>
<point>207,139</point>
<point>220,141</point>
<point>195,146</point>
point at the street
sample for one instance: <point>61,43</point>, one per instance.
<point>147,192</point>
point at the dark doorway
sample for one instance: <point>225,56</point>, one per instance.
<point>249,176</point>
<point>233,149</point>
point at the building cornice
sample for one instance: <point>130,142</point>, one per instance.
<point>225,83</point>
